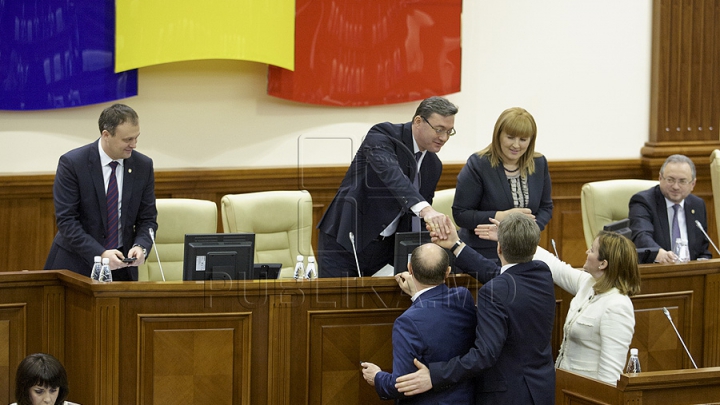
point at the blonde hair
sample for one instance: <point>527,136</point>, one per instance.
<point>622,270</point>
<point>517,122</point>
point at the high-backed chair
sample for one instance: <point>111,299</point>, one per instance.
<point>607,201</point>
<point>443,201</point>
<point>280,220</point>
<point>176,217</point>
<point>715,178</point>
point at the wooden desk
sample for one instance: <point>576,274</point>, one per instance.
<point>672,387</point>
<point>256,342</point>
<point>277,342</point>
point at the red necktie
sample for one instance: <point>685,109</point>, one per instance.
<point>111,240</point>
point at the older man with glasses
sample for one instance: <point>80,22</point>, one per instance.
<point>388,188</point>
<point>669,212</point>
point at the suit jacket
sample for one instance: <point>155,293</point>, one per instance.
<point>81,208</point>
<point>512,355</point>
<point>379,185</point>
<point>483,190</point>
<point>598,327</point>
<point>422,332</point>
<point>651,229</point>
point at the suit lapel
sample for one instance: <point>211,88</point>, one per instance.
<point>662,213</point>
<point>503,181</point>
<point>98,181</point>
<point>690,222</point>
<point>128,181</point>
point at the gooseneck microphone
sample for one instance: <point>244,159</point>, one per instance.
<point>667,314</point>
<point>699,225</point>
<point>157,255</point>
<point>552,242</point>
<point>357,263</point>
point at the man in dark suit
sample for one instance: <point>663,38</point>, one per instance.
<point>421,332</point>
<point>512,355</point>
<point>660,215</point>
<point>389,186</point>
<point>87,227</point>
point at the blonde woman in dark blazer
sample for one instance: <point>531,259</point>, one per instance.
<point>505,177</point>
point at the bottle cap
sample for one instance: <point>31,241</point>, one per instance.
<point>311,259</point>
<point>97,259</point>
<point>633,352</point>
<point>105,260</point>
<point>300,257</point>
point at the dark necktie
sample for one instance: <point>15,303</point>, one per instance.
<point>675,226</point>
<point>111,240</point>
<point>416,182</point>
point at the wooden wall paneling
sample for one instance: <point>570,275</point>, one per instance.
<point>280,346</point>
<point>338,341</point>
<point>54,321</point>
<point>658,345</point>
<point>712,321</point>
<point>13,322</point>
<point>107,350</point>
<point>194,358</point>
<point>80,341</point>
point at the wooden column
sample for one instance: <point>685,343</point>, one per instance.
<point>685,81</point>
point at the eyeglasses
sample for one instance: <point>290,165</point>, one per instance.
<point>673,181</point>
<point>449,132</point>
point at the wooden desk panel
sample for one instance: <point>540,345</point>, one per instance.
<point>278,342</point>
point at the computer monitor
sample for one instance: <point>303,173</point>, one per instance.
<point>219,256</point>
<point>622,227</point>
<point>405,243</point>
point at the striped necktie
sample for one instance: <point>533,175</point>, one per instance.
<point>111,240</point>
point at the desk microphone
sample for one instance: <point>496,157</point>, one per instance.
<point>157,255</point>
<point>667,313</point>
<point>699,225</point>
<point>357,263</point>
<point>552,242</point>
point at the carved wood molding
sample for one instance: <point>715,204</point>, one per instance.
<point>106,345</point>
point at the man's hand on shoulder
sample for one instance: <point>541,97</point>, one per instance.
<point>415,383</point>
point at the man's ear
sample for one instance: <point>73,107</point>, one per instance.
<point>447,272</point>
<point>409,267</point>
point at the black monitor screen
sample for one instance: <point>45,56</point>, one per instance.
<point>405,243</point>
<point>622,227</point>
<point>219,256</point>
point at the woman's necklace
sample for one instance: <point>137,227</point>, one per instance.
<point>511,171</point>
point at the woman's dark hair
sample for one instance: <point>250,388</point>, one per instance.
<point>43,370</point>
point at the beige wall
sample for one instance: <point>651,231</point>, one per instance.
<point>581,68</point>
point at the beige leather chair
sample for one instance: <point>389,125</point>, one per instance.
<point>443,201</point>
<point>715,178</point>
<point>176,217</point>
<point>280,220</point>
<point>607,201</point>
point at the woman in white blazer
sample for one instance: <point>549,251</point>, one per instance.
<point>600,322</point>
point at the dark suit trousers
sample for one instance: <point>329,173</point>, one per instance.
<point>335,261</point>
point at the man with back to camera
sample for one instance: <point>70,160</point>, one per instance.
<point>388,188</point>
<point>422,330</point>
<point>512,355</point>
<point>661,214</point>
<point>84,189</point>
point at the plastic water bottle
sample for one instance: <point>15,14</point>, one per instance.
<point>105,274</point>
<point>299,268</point>
<point>97,266</point>
<point>311,271</point>
<point>633,365</point>
<point>681,251</point>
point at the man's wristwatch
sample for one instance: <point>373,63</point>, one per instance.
<point>143,249</point>
<point>455,246</point>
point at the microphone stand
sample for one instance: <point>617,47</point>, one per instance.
<point>699,225</point>
<point>357,263</point>
<point>157,255</point>
<point>667,314</point>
